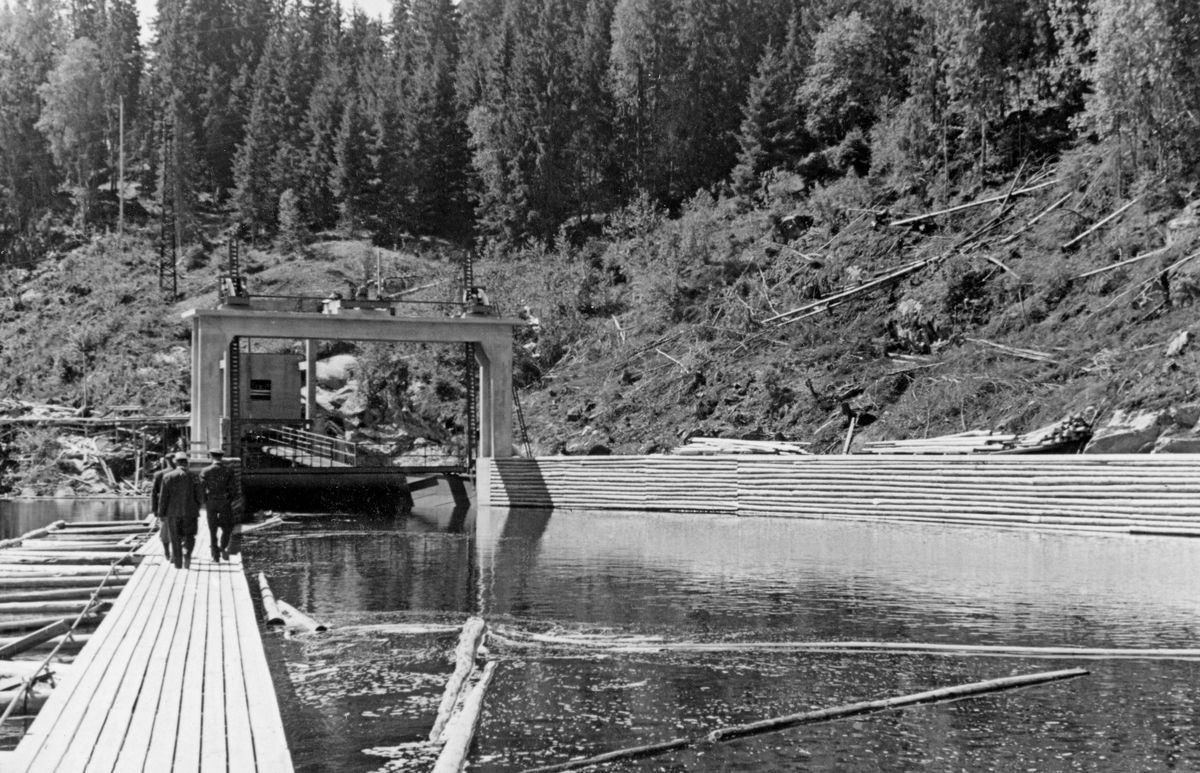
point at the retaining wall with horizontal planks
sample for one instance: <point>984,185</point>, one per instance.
<point>1132,493</point>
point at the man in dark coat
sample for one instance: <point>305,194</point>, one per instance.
<point>179,506</point>
<point>219,491</point>
<point>155,491</point>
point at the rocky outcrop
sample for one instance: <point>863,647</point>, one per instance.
<point>1127,433</point>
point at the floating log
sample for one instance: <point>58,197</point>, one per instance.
<point>45,545</point>
<point>46,607</point>
<point>460,731</point>
<point>822,715</point>
<point>76,641</point>
<point>31,534</point>
<point>26,571</point>
<point>61,594</point>
<point>872,707</point>
<point>15,647</point>
<point>298,619</point>
<point>270,608</point>
<point>246,528</point>
<point>37,697</point>
<point>70,559</point>
<point>23,669</point>
<point>31,623</point>
<point>469,641</point>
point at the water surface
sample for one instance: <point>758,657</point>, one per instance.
<point>362,698</point>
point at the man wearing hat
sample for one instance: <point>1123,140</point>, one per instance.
<point>155,492</point>
<point>219,485</point>
<point>179,508</point>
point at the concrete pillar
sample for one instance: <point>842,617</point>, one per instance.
<point>485,400</point>
<point>209,345</point>
<point>310,379</point>
<point>499,354</point>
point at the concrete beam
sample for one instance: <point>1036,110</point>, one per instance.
<point>213,329</point>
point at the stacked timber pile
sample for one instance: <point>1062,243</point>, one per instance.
<point>1060,435</point>
<point>712,446</point>
<point>1126,494</point>
<point>56,582</point>
<point>617,483</point>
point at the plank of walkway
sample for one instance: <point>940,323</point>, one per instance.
<point>270,745</point>
<point>57,721</point>
<point>141,726</point>
<point>213,752</point>
<point>135,688</point>
<point>160,754</point>
<point>134,646</point>
<point>176,741</point>
<point>237,709</point>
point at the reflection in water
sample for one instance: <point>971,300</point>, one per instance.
<point>364,686</point>
<point>20,516</point>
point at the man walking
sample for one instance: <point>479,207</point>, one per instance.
<point>219,484</point>
<point>155,492</point>
<point>179,507</point>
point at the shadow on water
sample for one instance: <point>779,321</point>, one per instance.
<point>362,696</point>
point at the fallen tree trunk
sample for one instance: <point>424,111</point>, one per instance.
<point>822,715</point>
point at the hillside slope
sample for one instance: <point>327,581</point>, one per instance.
<point>664,330</point>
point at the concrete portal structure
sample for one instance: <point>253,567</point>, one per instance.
<point>214,329</point>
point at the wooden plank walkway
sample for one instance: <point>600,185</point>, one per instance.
<point>174,679</point>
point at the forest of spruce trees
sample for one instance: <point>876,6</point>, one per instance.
<point>506,120</point>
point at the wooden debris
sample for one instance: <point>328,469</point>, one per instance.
<point>980,203</point>
<point>1136,259</point>
<point>1013,236</point>
<point>1025,354</point>
<point>1099,225</point>
<point>252,527</point>
<point>707,446</point>
<point>825,304</point>
<point>1072,429</point>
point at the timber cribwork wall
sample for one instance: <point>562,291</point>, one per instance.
<point>1127,493</point>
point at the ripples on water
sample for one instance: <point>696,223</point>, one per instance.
<point>361,698</point>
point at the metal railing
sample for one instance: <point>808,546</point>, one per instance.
<point>301,447</point>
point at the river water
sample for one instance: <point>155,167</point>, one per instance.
<point>361,697</point>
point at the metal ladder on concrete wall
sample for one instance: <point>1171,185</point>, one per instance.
<point>470,375</point>
<point>233,371</point>
<point>521,423</point>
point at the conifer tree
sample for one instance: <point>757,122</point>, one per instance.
<point>30,34</point>
<point>773,132</point>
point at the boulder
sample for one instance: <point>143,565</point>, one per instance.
<point>1177,444</point>
<point>28,492</point>
<point>1127,433</point>
<point>336,371</point>
<point>64,492</point>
